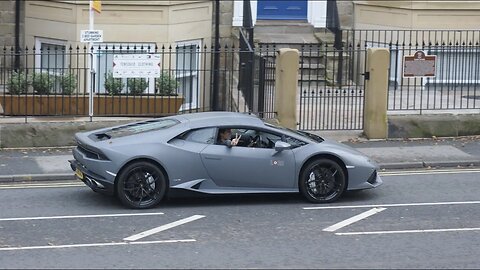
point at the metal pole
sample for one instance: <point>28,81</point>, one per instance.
<point>216,61</point>
<point>17,35</point>
<point>91,67</point>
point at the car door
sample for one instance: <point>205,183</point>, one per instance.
<point>250,167</point>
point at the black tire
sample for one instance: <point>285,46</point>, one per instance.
<point>141,185</point>
<point>322,181</point>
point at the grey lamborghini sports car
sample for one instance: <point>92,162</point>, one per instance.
<point>140,162</point>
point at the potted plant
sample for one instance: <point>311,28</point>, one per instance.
<point>68,83</point>
<point>42,83</point>
<point>166,85</point>
<point>137,86</point>
<point>112,85</point>
<point>18,83</point>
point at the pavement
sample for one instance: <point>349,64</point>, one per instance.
<point>45,163</point>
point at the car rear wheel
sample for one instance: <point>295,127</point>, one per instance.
<point>141,185</point>
<point>322,181</point>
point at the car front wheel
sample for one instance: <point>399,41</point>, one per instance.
<point>141,185</point>
<point>322,181</point>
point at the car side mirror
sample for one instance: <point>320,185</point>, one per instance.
<point>228,143</point>
<point>280,146</point>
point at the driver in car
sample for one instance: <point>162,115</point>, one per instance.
<point>225,135</point>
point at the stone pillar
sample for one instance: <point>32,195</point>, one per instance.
<point>286,84</point>
<point>376,89</point>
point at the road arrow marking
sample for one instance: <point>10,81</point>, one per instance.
<point>162,228</point>
<point>353,219</point>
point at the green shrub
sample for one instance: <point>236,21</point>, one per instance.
<point>68,83</point>
<point>18,83</point>
<point>113,86</point>
<point>42,82</point>
<point>166,85</point>
<point>137,85</point>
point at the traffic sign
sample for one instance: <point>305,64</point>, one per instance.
<point>136,65</point>
<point>91,36</point>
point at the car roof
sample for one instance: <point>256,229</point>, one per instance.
<point>202,119</point>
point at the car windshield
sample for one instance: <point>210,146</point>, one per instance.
<point>303,134</point>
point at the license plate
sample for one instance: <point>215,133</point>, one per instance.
<point>79,174</point>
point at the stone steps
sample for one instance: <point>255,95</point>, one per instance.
<point>318,57</point>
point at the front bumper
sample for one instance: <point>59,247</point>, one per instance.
<point>373,181</point>
<point>96,182</point>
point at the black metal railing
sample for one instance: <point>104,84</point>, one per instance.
<point>55,81</point>
<point>456,84</point>
<point>322,102</point>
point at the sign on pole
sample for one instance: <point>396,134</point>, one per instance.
<point>136,65</point>
<point>419,65</point>
<point>91,36</point>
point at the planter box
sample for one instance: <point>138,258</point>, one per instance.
<point>103,105</point>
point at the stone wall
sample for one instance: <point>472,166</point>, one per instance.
<point>7,30</point>
<point>7,22</point>
<point>226,15</point>
<point>345,13</point>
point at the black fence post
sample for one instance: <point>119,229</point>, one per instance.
<point>17,35</point>
<point>216,61</point>
<point>261,85</point>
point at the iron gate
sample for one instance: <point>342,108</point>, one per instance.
<point>331,92</point>
<point>331,86</point>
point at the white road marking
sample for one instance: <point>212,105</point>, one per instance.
<point>98,245</point>
<point>389,205</point>
<point>425,172</point>
<point>410,231</point>
<point>353,219</point>
<point>162,228</point>
<point>81,216</point>
<point>27,185</point>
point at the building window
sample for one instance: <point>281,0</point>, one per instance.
<point>186,71</point>
<point>50,55</point>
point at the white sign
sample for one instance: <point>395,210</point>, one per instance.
<point>136,65</point>
<point>91,36</point>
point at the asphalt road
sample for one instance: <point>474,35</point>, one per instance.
<point>417,219</point>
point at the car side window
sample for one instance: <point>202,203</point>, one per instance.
<point>293,142</point>
<point>203,135</point>
<point>256,138</point>
<point>268,140</point>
